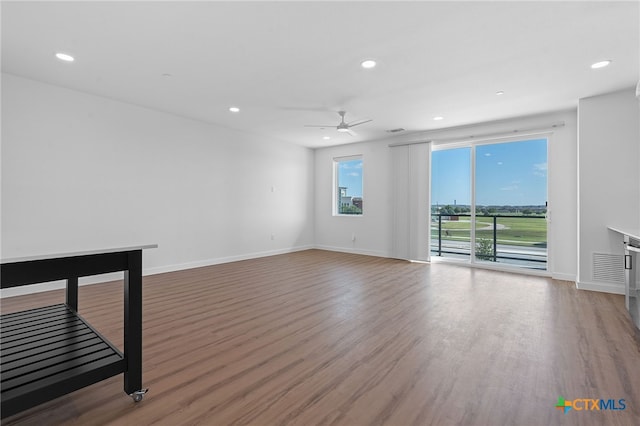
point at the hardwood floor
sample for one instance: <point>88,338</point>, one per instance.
<point>317,337</point>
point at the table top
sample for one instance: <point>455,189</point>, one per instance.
<point>78,253</point>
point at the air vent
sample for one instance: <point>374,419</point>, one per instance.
<point>608,268</point>
<point>399,129</point>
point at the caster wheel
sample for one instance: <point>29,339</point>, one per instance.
<point>138,395</point>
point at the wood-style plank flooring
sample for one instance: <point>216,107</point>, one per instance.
<point>327,338</point>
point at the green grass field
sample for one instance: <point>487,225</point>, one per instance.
<point>526,231</point>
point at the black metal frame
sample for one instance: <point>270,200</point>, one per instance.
<point>495,255</point>
<point>70,268</point>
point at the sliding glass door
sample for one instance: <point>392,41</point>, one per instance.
<point>451,203</point>
<point>488,203</point>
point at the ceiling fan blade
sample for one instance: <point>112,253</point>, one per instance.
<point>318,125</point>
<point>357,123</point>
<point>351,132</point>
<point>302,108</point>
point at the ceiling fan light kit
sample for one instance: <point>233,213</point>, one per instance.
<point>342,127</point>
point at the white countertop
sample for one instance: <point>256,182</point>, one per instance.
<point>633,233</point>
<point>78,253</point>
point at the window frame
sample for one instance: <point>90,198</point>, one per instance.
<point>473,144</point>
<point>335,208</point>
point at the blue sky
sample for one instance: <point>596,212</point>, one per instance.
<point>506,174</point>
<point>350,175</point>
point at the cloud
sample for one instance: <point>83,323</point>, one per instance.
<point>509,188</point>
<point>351,165</point>
<point>540,166</point>
<point>488,154</point>
<point>499,163</point>
<point>540,169</point>
<point>354,174</point>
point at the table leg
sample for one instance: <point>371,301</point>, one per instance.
<point>133,323</point>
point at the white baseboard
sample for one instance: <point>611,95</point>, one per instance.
<point>563,277</point>
<point>97,279</point>
<point>601,287</point>
<point>33,288</point>
<point>57,285</point>
<point>351,250</point>
<point>219,260</point>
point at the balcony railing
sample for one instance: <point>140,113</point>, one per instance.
<point>509,239</point>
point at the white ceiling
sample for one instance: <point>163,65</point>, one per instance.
<point>287,64</point>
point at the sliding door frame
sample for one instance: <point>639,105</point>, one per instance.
<point>472,144</point>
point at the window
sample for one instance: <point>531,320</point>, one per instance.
<point>489,202</point>
<point>348,185</point>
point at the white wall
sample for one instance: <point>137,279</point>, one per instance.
<point>609,178</point>
<point>81,171</point>
<point>373,229</point>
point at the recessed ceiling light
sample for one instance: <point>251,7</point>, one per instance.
<point>369,63</point>
<point>438,118</point>
<point>234,109</point>
<point>167,75</point>
<point>600,64</point>
<point>64,57</point>
<point>326,138</point>
<point>499,93</point>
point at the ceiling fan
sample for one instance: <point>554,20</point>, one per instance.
<point>343,127</point>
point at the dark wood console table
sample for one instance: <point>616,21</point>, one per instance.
<point>51,351</point>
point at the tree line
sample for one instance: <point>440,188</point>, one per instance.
<point>449,210</point>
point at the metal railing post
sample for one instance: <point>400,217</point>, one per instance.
<point>439,235</point>
<point>495,238</point>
